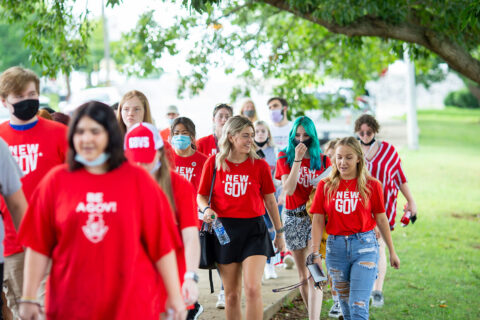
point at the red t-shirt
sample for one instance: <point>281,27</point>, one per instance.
<point>346,211</point>
<point>191,167</point>
<point>186,216</point>
<point>207,145</point>
<point>165,133</point>
<point>238,193</point>
<point>104,234</point>
<point>36,151</point>
<point>304,187</point>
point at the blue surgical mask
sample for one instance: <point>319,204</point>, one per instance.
<point>101,159</point>
<point>170,121</point>
<point>181,142</point>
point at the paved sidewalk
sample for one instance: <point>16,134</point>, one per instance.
<point>208,301</point>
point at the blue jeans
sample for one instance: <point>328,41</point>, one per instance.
<point>352,263</point>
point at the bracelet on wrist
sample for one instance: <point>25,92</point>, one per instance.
<point>29,300</point>
<point>281,230</point>
<point>205,209</point>
<point>297,160</point>
<point>316,255</point>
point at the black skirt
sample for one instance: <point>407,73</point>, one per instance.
<point>248,237</point>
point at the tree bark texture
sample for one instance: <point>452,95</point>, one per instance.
<point>457,57</point>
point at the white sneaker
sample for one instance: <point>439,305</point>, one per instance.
<point>269,272</point>
<point>221,300</point>
<point>335,311</point>
<point>288,261</point>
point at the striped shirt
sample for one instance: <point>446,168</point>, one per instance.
<point>386,167</point>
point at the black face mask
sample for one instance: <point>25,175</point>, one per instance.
<point>307,142</point>
<point>261,144</point>
<point>26,109</point>
<point>366,144</point>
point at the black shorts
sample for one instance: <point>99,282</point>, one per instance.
<point>248,237</point>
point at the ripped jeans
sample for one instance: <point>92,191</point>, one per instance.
<point>352,264</point>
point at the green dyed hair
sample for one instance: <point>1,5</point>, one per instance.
<point>314,149</point>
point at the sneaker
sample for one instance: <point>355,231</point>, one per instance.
<point>221,300</point>
<point>288,261</point>
<point>335,311</point>
<point>377,299</point>
<point>269,272</point>
<point>194,313</point>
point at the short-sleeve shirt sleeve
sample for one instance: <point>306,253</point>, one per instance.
<point>10,173</point>
<point>282,166</point>
<point>185,202</point>
<point>37,230</point>
<point>318,199</point>
<point>207,174</point>
<point>158,222</point>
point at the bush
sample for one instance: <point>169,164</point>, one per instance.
<point>462,99</point>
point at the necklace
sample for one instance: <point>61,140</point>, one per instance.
<point>350,183</point>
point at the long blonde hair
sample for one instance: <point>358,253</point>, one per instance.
<point>162,176</point>
<point>333,180</point>
<point>147,115</point>
<point>233,126</point>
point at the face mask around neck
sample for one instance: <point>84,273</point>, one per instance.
<point>101,159</point>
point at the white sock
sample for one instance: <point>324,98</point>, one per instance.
<point>335,298</point>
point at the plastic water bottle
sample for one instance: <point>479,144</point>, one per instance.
<point>222,235</point>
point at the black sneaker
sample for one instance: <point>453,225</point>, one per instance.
<point>194,313</point>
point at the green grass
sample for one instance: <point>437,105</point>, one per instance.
<point>439,277</point>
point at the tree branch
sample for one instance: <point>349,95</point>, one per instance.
<point>457,57</point>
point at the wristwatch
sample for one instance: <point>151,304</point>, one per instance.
<point>191,275</point>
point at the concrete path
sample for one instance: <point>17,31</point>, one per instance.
<point>270,299</point>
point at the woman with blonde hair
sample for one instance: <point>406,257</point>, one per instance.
<point>132,109</point>
<point>135,108</point>
<point>299,166</point>
<point>242,188</point>
<point>353,202</point>
<point>248,110</point>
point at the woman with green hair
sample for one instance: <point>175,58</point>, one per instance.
<point>300,166</point>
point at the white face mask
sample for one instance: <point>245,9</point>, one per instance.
<point>101,159</point>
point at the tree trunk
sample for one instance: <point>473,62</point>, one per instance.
<point>457,57</point>
<point>474,89</point>
<point>69,88</point>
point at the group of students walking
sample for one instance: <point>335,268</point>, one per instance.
<point>108,211</point>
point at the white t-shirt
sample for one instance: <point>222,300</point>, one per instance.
<point>280,134</point>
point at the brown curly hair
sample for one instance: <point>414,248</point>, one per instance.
<point>369,121</point>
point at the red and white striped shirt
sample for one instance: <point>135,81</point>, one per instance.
<point>386,167</point>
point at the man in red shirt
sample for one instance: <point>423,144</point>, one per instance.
<point>37,145</point>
